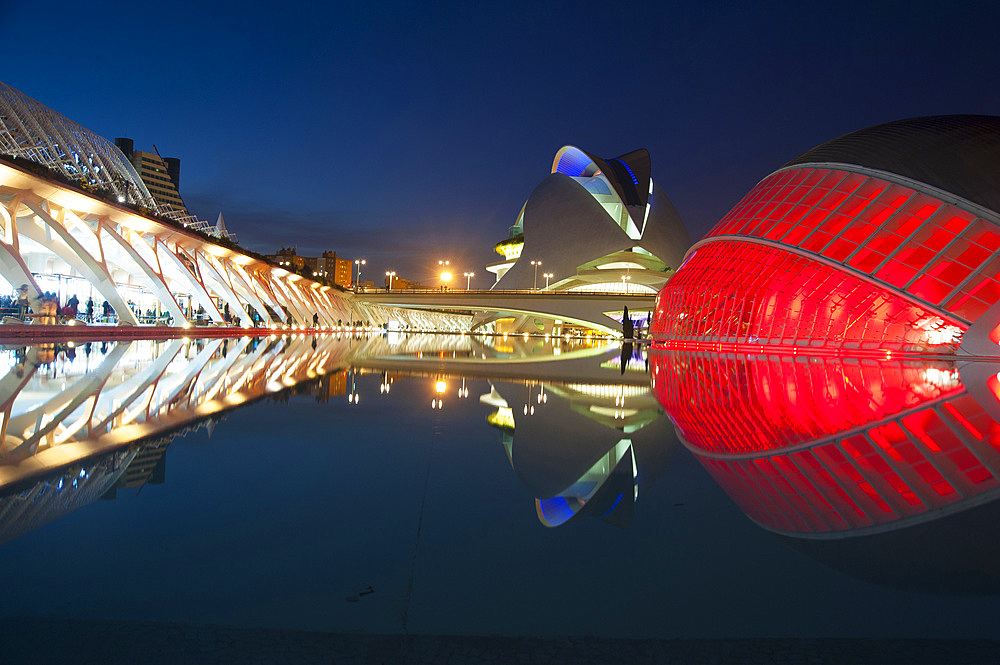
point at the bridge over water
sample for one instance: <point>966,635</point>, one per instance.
<point>590,310</point>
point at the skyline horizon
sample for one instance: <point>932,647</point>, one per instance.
<point>406,133</point>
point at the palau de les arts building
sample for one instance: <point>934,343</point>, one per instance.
<point>884,239</point>
<point>595,225</point>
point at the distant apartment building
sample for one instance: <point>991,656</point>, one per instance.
<point>161,175</point>
<point>328,266</point>
<point>401,283</point>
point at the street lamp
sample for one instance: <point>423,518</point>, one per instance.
<point>445,278</point>
<point>359,263</point>
<point>547,277</point>
<point>625,282</point>
<point>534,285</point>
<point>468,278</point>
<point>390,275</point>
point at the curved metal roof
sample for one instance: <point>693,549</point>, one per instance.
<point>959,154</point>
<point>33,131</point>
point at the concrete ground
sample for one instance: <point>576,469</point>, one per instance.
<point>85,642</point>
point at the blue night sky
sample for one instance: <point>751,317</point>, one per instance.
<point>409,132</point>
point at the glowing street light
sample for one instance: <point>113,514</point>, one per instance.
<point>547,277</point>
<point>390,275</point>
<point>445,278</point>
<point>468,278</point>
<point>359,263</point>
<point>625,282</point>
<point>534,285</point>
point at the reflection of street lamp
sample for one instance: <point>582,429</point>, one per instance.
<point>534,285</point>
<point>440,388</point>
<point>359,263</point>
<point>352,397</point>
<point>547,277</point>
<point>390,275</point>
<point>468,278</point>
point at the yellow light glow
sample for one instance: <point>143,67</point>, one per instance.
<point>512,251</point>
<point>440,387</point>
<point>446,276</point>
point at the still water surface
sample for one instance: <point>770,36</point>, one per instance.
<point>451,485</point>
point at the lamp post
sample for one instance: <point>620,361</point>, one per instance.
<point>445,272</point>
<point>534,285</point>
<point>547,277</point>
<point>468,278</point>
<point>390,275</point>
<point>359,263</point>
<point>625,282</point>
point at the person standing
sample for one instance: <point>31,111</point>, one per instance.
<point>90,310</point>
<point>72,308</point>
<point>22,301</point>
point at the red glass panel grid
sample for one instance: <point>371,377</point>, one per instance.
<point>736,291</point>
<point>935,251</point>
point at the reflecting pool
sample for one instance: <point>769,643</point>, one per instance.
<point>453,484</point>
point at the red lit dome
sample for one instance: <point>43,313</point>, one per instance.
<point>884,239</point>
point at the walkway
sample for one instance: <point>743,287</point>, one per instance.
<point>85,642</point>
<point>584,309</point>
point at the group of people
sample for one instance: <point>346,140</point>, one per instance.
<point>47,309</point>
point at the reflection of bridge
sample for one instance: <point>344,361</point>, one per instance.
<point>583,309</point>
<point>72,419</point>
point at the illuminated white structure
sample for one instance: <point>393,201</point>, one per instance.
<point>83,224</point>
<point>594,225</point>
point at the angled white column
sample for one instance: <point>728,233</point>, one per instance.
<point>197,289</point>
<point>40,227</point>
<point>150,277</point>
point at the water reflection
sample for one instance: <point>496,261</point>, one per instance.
<point>855,461</point>
<point>578,447</point>
<point>81,423</point>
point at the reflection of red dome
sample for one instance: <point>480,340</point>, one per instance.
<point>838,445</point>
<point>733,406</point>
<point>855,245</point>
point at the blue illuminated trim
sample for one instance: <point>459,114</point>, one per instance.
<point>556,510</point>
<point>613,505</point>
<point>635,181</point>
<point>573,162</point>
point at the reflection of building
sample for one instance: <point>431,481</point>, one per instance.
<point>149,466</point>
<point>330,385</point>
<point>59,493</point>
<point>889,470</point>
<point>881,239</point>
<point>161,175</point>
<point>577,447</point>
<point>837,446</point>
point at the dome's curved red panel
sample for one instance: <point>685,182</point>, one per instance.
<point>736,291</point>
<point>897,247</point>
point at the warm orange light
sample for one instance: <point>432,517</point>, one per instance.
<point>445,276</point>
<point>440,387</point>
